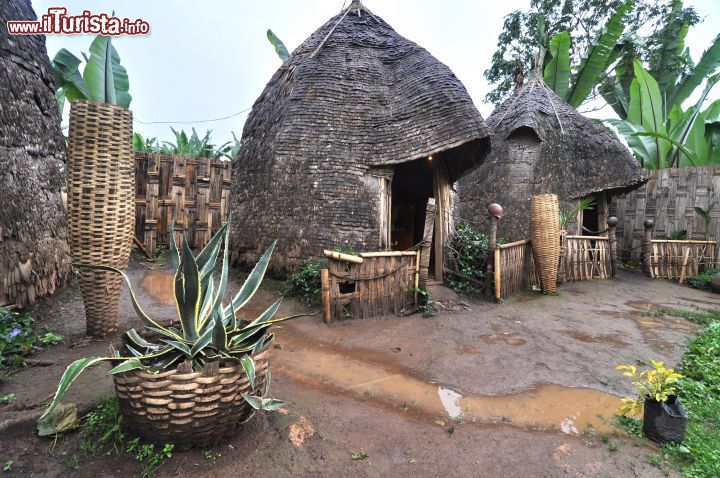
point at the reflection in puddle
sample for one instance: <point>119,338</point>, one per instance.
<point>331,369</point>
<point>160,286</point>
<point>450,400</point>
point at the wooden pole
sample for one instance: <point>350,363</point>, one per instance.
<point>494,213</point>
<point>427,242</point>
<point>325,285</point>
<point>498,279</point>
<point>612,224</point>
<point>647,245</point>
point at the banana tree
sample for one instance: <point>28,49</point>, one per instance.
<point>104,79</point>
<point>280,49</point>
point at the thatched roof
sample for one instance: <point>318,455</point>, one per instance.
<point>352,97</point>
<point>543,145</point>
<point>367,92</point>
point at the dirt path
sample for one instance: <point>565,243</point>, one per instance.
<point>528,386</point>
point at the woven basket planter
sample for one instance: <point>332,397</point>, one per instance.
<point>545,239</point>
<point>101,206</point>
<point>186,408</point>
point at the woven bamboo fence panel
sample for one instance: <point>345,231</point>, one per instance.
<point>677,260</point>
<point>514,268</point>
<point>545,237</point>
<point>194,192</point>
<point>669,199</point>
<point>585,258</point>
<point>100,184</point>
<point>381,284</point>
<point>189,408</point>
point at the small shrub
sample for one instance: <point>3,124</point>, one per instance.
<point>470,253</point>
<point>18,338</point>
<point>304,285</point>
<point>702,280</point>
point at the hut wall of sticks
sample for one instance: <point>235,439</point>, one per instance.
<point>669,198</point>
<point>34,253</point>
<point>542,145</point>
<point>352,135</point>
<point>193,192</point>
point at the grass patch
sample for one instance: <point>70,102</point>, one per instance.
<point>699,390</point>
<point>631,425</point>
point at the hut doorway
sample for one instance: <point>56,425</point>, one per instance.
<point>412,186</point>
<point>594,220</point>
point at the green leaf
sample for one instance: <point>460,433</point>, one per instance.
<point>217,304</point>
<point>690,157</point>
<point>557,71</point>
<point>593,67</point>
<point>219,332</point>
<point>106,79</point>
<point>708,64</point>
<point>129,364</point>
<point>133,335</point>
<point>202,342</point>
<point>179,346</point>
<point>612,92</point>
<point>65,67</point>
<point>206,258</point>
<point>280,49</point>
<point>673,34</point>
<point>174,253</point>
<point>248,364</point>
<point>252,283</point>
<point>187,293</point>
<point>71,373</point>
<point>267,404</point>
<point>133,299</point>
<point>645,149</point>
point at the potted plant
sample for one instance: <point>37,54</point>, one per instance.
<point>195,382</point>
<point>100,174</point>
<point>664,418</point>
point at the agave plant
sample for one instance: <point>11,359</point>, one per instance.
<point>209,330</point>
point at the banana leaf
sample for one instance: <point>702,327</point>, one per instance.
<point>68,79</point>
<point>688,154</point>
<point>107,80</point>
<point>708,64</point>
<point>557,71</point>
<point>593,67</point>
<point>674,33</point>
<point>644,148</point>
<point>280,49</point>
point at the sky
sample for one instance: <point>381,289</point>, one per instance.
<point>211,59</point>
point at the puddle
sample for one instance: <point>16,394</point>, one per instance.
<point>651,327</point>
<point>644,306</point>
<point>599,339</point>
<point>508,338</point>
<point>545,407</point>
<point>466,349</point>
<point>160,286</point>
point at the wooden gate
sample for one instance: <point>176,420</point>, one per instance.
<point>677,260</point>
<point>585,258</point>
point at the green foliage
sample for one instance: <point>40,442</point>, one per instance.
<point>8,465</point>
<point>633,426</point>
<point>469,248</point>
<point>104,79</point>
<point>9,398</point>
<point>145,145</point>
<point>656,383</point>
<point>585,204</point>
<point>702,318</point>
<point>358,455</point>
<point>304,285</point>
<point>279,46</point>
<point>18,338</point>
<point>209,330</point>
<point>705,214</point>
<point>194,146</point>
<point>585,21</point>
<point>702,280</point>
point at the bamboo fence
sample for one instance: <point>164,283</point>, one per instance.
<point>370,285</point>
<point>514,268</point>
<point>194,192</point>
<point>678,260</point>
<point>585,258</point>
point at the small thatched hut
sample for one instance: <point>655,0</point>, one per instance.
<point>352,135</point>
<point>34,254</point>
<point>543,145</point>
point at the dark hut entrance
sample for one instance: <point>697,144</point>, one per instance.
<point>594,220</point>
<point>412,185</point>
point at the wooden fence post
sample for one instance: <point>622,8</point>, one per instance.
<point>494,214</point>
<point>647,245</point>
<point>325,285</point>
<point>612,224</point>
<point>427,242</point>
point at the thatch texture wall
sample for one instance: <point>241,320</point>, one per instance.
<point>668,198</point>
<point>34,254</point>
<point>542,145</point>
<point>352,101</point>
<point>191,191</point>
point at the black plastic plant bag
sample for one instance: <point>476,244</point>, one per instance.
<point>664,422</point>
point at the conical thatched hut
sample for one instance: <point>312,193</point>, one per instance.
<point>34,255</point>
<point>543,145</point>
<point>352,135</point>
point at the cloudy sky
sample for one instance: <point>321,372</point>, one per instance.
<point>211,59</point>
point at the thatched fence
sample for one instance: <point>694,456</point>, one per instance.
<point>669,198</point>
<point>191,191</point>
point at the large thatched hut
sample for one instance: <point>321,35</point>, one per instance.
<point>543,145</point>
<point>352,135</point>
<point>34,254</point>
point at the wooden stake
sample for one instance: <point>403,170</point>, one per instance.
<point>497,275</point>
<point>647,245</point>
<point>612,224</point>
<point>427,242</point>
<point>683,270</point>
<point>325,285</point>
<point>492,243</point>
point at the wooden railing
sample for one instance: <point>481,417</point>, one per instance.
<point>371,284</point>
<point>513,268</point>
<point>678,260</point>
<point>585,258</point>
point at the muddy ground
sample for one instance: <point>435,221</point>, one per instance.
<point>526,387</point>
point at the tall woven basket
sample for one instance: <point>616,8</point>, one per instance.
<point>101,210</point>
<point>545,239</point>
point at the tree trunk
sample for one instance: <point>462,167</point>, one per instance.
<point>34,254</point>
